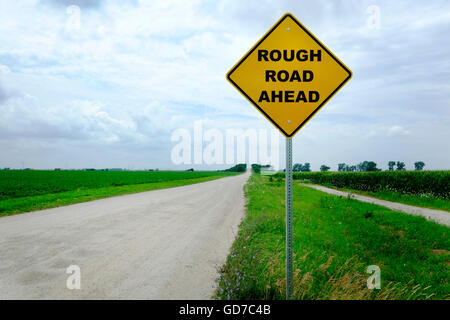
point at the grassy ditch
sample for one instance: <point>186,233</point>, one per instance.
<point>335,240</point>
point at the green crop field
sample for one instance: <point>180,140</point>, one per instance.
<point>335,239</point>
<point>22,191</point>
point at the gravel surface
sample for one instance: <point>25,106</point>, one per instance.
<point>162,244</point>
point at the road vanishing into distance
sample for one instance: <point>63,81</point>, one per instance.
<point>162,244</point>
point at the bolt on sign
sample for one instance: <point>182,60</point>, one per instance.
<point>289,75</point>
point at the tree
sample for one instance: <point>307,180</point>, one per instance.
<point>400,166</point>
<point>241,167</point>
<point>367,166</point>
<point>371,166</point>
<point>391,165</point>
<point>306,167</point>
<point>324,168</point>
<point>419,165</point>
<point>297,167</point>
<point>341,167</point>
<point>256,168</point>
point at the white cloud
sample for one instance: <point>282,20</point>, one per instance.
<point>398,131</point>
<point>4,69</point>
<point>136,70</point>
<point>383,131</point>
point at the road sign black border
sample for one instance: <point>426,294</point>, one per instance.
<point>319,43</point>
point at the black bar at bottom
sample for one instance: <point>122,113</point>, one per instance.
<point>188,309</point>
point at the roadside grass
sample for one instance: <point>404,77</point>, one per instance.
<point>335,239</point>
<point>31,203</point>
<point>413,200</point>
<point>268,173</point>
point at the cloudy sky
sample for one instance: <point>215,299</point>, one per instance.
<point>99,84</point>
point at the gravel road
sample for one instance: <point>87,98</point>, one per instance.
<point>162,244</point>
<point>439,216</point>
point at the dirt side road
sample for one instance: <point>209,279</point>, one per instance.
<point>438,216</point>
<point>162,244</point>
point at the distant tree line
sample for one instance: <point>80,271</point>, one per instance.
<point>298,167</point>
<point>365,166</point>
<point>241,167</point>
<point>400,166</point>
<point>257,167</point>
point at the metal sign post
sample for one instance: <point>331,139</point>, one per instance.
<point>288,218</point>
<point>289,75</point>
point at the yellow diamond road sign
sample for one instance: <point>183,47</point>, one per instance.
<point>289,75</point>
